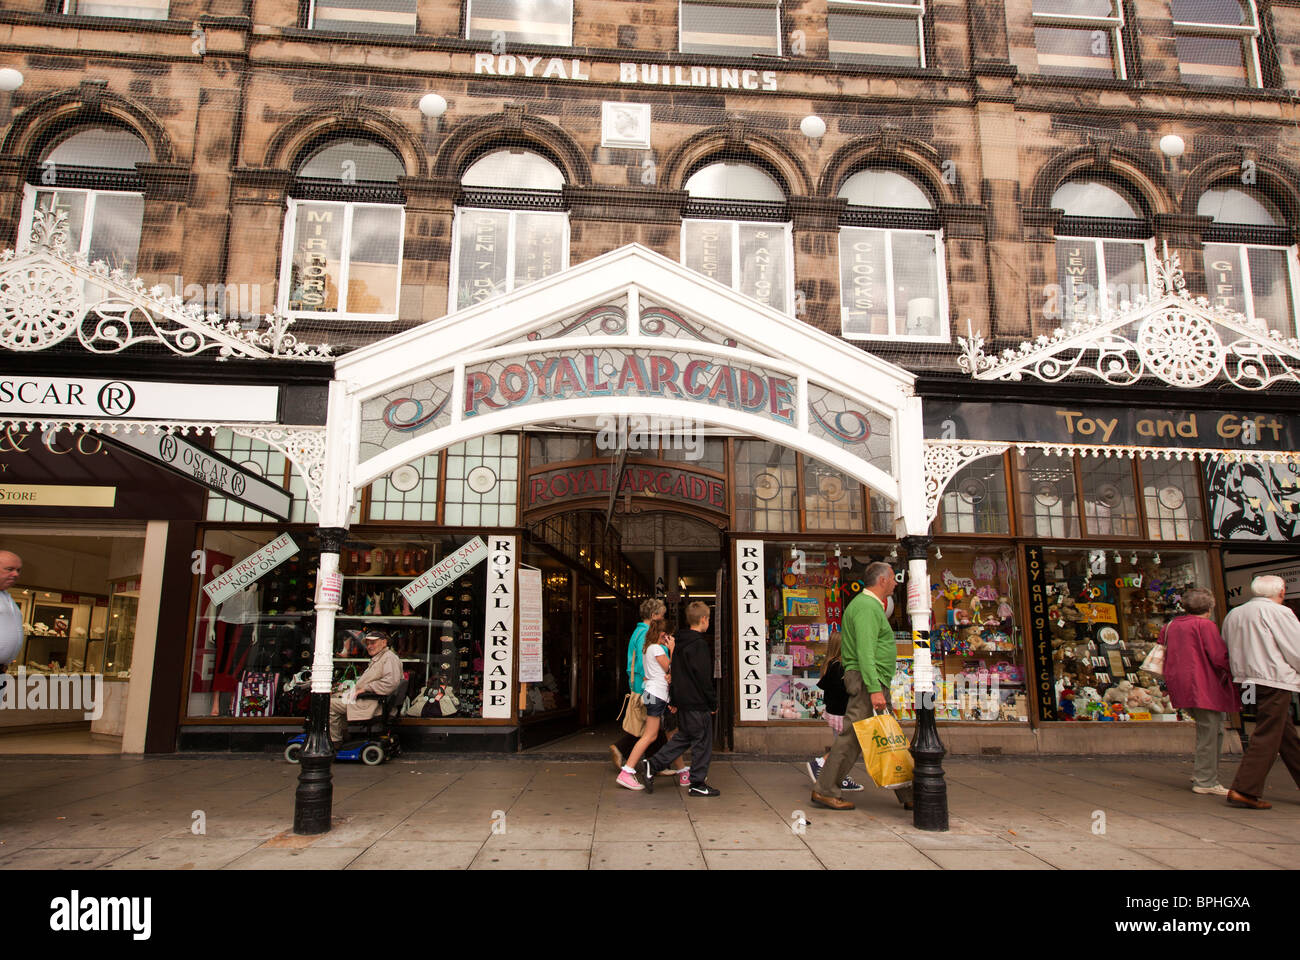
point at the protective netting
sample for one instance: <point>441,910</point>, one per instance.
<point>889,172</point>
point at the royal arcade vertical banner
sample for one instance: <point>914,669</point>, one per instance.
<point>751,630</point>
<point>1040,634</point>
<point>499,617</point>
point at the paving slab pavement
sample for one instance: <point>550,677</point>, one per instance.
<point>235,812</point>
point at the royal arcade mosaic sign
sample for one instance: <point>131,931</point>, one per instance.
<point>717,380</point>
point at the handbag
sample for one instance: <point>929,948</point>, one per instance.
<point>255,694</point>
<point>448,703</point>
<point>1154,663</point>
<point>884,751</point>
<point>633,714</point>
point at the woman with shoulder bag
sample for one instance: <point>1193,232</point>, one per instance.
<point>1197,676</point>
<point>837,704</point>
<point>652,610</point>
<point>657,659</point>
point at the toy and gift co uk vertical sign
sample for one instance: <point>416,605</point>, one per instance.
<point>1040,634</point>
<point>751,630</point>
<point>499,653</point>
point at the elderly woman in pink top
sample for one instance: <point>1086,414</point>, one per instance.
<point>1198,679</point>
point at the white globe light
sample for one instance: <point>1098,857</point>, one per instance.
<point>10,79</point>
<point>1172,145</point>
<point>812,126</point>
<point>432,105</point>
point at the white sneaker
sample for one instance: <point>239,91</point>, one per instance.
<point>1218,790</point>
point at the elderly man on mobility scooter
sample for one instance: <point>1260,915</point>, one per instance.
<point>381,677</point>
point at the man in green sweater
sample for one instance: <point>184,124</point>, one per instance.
<point>869,655</point>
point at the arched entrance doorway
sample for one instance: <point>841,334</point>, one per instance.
<point>801,433</point>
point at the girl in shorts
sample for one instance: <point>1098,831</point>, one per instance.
<point>657,658</point>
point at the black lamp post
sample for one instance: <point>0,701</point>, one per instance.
<point>314,799</point>
<point>929,791</point>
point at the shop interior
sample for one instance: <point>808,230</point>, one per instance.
<point>78,597</point>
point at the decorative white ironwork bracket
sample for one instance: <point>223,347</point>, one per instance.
<point>1172,337</point>
<point>943,458</point>
<point>305,448</point>
<point>43,301</point>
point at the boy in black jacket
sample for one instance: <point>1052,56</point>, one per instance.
<point>691,693</point>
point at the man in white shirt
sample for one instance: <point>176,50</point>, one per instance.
<point>11,620</point>
<point>1263,639</point>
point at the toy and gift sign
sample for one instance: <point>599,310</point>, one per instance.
<point>1239,429</point>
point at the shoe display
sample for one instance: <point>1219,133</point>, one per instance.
<point>1218,790</point>
<point>703,790</point>
<point>647,775</point>
<point>814,768</point>
<point>832,803</point>
<point>616,755</point>
<point>1236,799</point>
<point>851,785</point>
<point>628,780</point>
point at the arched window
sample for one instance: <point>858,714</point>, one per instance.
<point>1250,263</point>
<point>343,233</point>
<point>511,229</point>
<point>732,232</point>
<point>892,278</point>
<point>89,175</point>
<point>1103,248</point>
<point>1217,42</point>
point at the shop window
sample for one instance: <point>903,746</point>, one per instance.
<point>1105,612</point>
<point>482,485</point>
<point>888,33</point>
<point>1109,498</point>
<point>252,650</point>
<point>408,493</point>
<point>767,487</point>
<point>832,499</point>
<point>1217,41</point>
<point>1079,38</point>
<point>891,260</point>
<point>730,29</point>
<point>554,692</point>
<point>1250,264</point>
<point>1103,256</point>
<point>975,500</point>
<point>343,233</point>
<point>363,16</point>
<point>77,600</point>
<point>560,447</point>
<point>130,10</point>
<point>520,21</point>
<point>1048,503</point>
<point>747,251</point>
<point>1172,495</point>
<point>807,587</point>
<point>89,176</point>
<point>977,644</point>
<point>510,232</point>
<point>695,451</point>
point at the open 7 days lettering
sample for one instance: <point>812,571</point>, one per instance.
<point>75,913</point>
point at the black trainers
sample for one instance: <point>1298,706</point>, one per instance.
<point>703,790</point>
<point>647,775</point>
